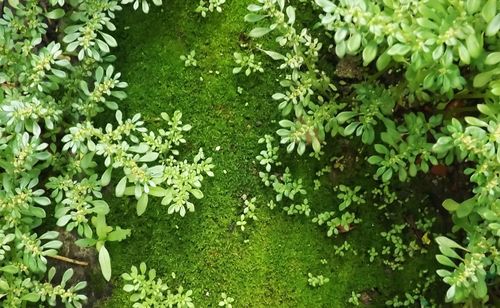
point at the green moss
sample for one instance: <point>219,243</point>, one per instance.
<point>205,249</point>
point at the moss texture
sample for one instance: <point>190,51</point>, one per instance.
<point>205,249</point>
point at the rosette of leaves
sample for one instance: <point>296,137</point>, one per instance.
<point>300,133</point>
<point>269,156</point>
<point>149,291</point>
<point>336,225</point>
<point>409,147</point>
<point>349,196</point>
<point>247,64</point>
<point>375,105</point>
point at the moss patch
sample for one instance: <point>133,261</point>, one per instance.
<point>205,249</point>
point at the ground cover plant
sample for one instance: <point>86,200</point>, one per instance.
<point>310,153</point>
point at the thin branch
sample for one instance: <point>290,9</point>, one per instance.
<point>69,260</point>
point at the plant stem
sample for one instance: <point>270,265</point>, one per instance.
<point>69,260</point>
<point>468,95</point>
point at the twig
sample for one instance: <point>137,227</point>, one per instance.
<point>65,259</point>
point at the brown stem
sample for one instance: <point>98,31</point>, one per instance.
<point>378,74</point>
<point>469,96</point>
<point>69,260</point>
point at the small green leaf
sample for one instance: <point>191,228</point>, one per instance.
<point>128,288</point>
<point>11,269</point>
<point>42,200</point>
<point>489,9</point>
<point>290,12</point>
<point>105,263</point>
<point>118,234</point>
<point>13,3</point>
<point>383,61</point>
<point>259,32</point>
<point>387,175</point>
<point>446,242</point>
<point>465,208</point>
<point>445,261</point>
<point>4,285</point>
<point>374,159</point>
<point>85,242</point>
<point>345,116</point>
<point>286,123</point>
<point>67,276</point>
<point>120,187</point>
<point>100,207</point>
<point>450,205</point>
<point>142,203</point>
<point>106,176</point>
<point>274,55</point>
<point>197,193</point>
<point>31,297</point>
<point>354,42</point>
<point>369,53</point>
<point>482,79</point>
<point>493,26</point>
<point>252,17</point>
<point>450,293</point>
<point>316,145</point>
<point>493,58</point>
<point>349,130</point>
<point>473,46</point>
<point>463,53</point>
<point>55,14</point>
<point>398,50</point>
<point>63,220</point>
<point>254,8</point>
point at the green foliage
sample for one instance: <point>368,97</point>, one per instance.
<point>143,3</point>
<point>336,224</point>
<point>478,216</point>
<point>249,208</point>
<point>375,104</point>
<point>372,252</point>
<point>301,209</point>
<point>354,299</point>
<point>246,64</point>
<point>316,281</point>
<point>56,77</point>
<point>284,186</point>
<point>269,156</point>
<point>416,296</point>
<point>398,249</point>
<point>384,195</point>
<point>189,59</point>
<point>431,40</point>
<point>343,249</point>
<point>209,6</point>
<point>349,196</point>
<point>476,264</point>
<point>149,291</point>
<point>16,291</point>
<point>226,301</point>
<point>409,150</point>
<point>436,60</point>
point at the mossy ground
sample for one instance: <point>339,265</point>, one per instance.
<point>205,249</point>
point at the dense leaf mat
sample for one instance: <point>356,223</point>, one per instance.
<point>205,249</point>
